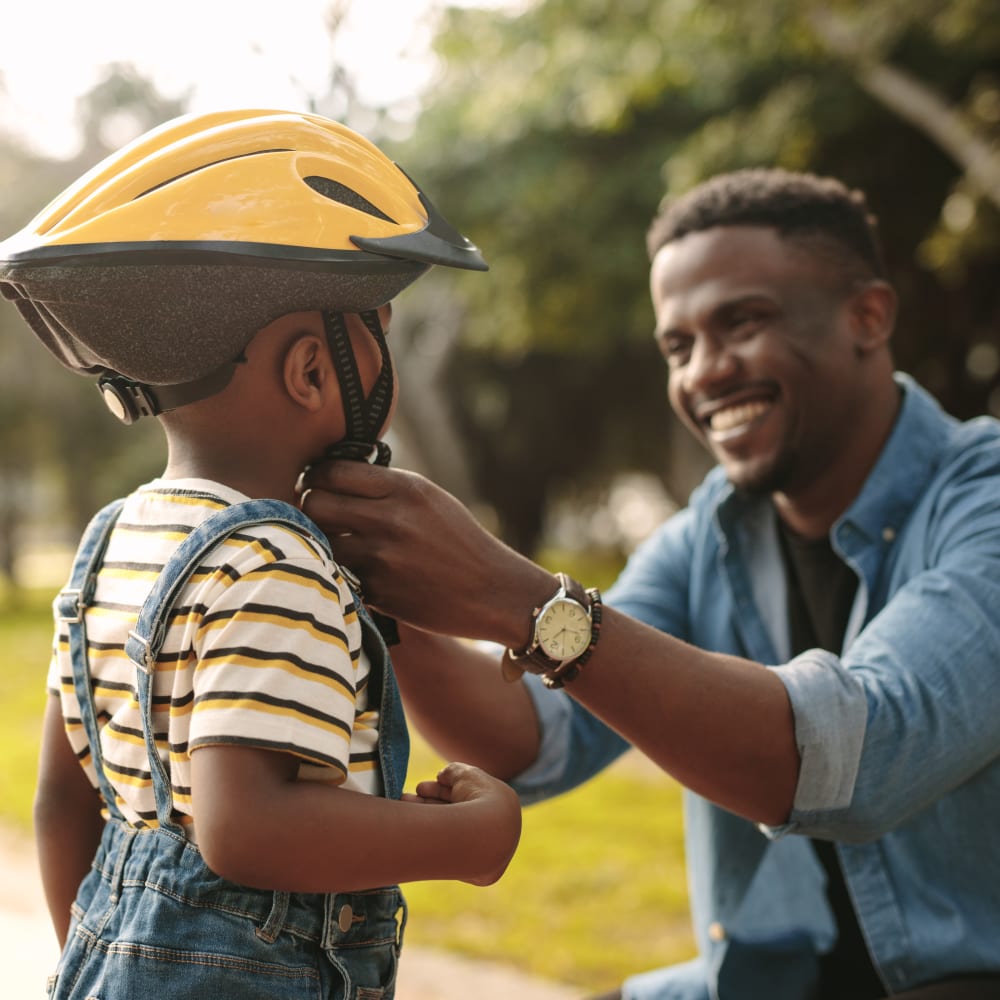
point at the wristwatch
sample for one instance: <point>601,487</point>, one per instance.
<point>563,631</point>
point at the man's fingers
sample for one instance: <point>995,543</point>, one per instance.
<point>330,511</point>
<point>357,479</point>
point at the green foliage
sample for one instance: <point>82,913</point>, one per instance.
<point>556,131</point>
<point>601,107</point>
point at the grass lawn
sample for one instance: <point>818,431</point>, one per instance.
<point>25,642</point>
<point>596,891</point>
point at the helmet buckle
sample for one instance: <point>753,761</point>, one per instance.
<point>126,399</point>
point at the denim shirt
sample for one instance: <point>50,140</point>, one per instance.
<point>899,735</point>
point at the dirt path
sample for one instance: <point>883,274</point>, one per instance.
<point>28,950</point>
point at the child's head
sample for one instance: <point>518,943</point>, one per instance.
<point>171,267</point>
<point>283,407</point>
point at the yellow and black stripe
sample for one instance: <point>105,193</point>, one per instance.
<point>262,649</point>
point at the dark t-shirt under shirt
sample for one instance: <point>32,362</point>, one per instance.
<point>821,589</point>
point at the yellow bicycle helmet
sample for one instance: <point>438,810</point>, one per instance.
<point>160,264</point>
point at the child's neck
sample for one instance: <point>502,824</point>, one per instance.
<point>255,473</point>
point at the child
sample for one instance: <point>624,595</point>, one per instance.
<point>222,686</point>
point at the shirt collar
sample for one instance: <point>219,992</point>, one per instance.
<point>906,465</point>
<point>900,475</point>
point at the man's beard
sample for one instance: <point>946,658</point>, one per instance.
<point>781,476</point>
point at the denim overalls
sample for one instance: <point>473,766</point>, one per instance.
<point>151,919</point>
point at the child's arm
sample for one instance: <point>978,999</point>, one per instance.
<point>68,822</point>
<point>258,826</point>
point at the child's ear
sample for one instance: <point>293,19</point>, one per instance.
<point>308,375</point>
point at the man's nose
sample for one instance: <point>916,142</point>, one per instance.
<point>712,362</point>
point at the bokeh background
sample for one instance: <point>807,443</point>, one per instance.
<point>549,131</point>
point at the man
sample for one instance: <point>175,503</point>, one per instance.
<point>810,647</point>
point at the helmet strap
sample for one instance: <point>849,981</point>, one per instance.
<point>129,400</point>
<point>364,417</point>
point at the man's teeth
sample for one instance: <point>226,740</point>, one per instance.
<point>733,416</point>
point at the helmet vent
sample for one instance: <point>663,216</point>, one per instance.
<point>205,166</point>
<point>336,191</point>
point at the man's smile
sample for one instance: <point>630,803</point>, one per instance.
<point>726,419</point>
<point>736,416</point>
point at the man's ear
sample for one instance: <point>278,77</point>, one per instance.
<point>307,372</point>
<point>873,316</point>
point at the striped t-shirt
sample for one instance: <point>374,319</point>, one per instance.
<point>263,649</point>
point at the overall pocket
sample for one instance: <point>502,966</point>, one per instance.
<point>155,942</point>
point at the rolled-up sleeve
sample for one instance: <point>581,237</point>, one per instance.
<point>831,711</point>
<point>908,714</point>
<point>575,745</point>
<point>553,711</point>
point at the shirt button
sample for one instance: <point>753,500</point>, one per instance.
<point>888,534</point>
<point>345,918</point>
<point>716,932</point>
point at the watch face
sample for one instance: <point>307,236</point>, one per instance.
<point>563,630</point>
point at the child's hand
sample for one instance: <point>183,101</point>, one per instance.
<point>498,821</point>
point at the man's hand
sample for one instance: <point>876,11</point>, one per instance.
<point>420,554</point>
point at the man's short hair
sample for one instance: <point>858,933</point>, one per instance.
<point>815,210</point>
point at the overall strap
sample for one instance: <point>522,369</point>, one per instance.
<point>393,735</point>
<point>70,606</point>
<point>146,640</point>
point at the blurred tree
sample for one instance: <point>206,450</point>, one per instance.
<point>565,122</point>
<point>864,36</point>
<point>551,135</point>
<point>120,106</point>
<point>53,424</point>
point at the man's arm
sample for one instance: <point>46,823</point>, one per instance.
<point>68,822</point>
<point>455,697</point>
<point>721,725</point>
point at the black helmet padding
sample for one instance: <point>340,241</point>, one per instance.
<point>204,314</point>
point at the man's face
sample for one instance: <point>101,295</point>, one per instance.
<point>756,333</point>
